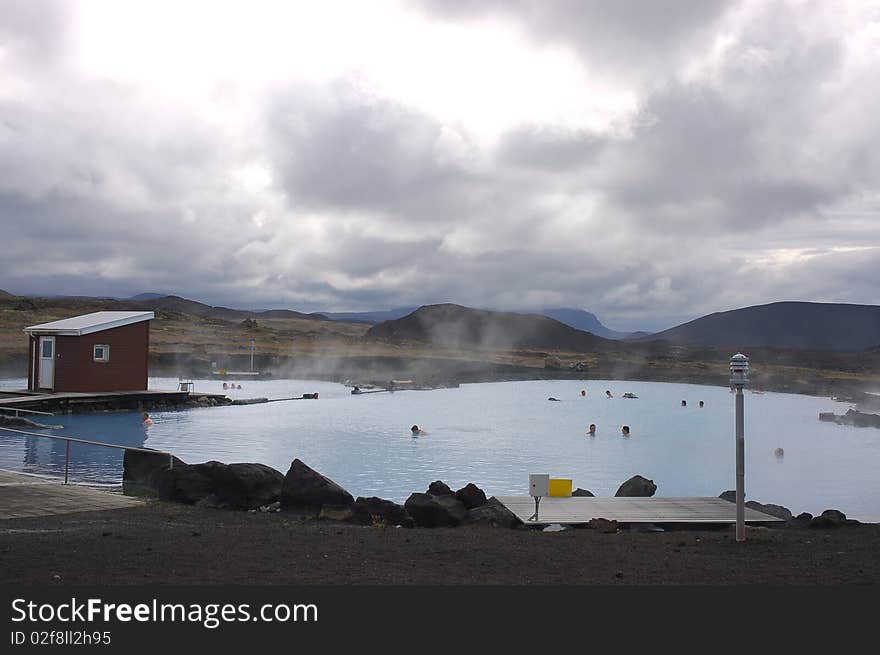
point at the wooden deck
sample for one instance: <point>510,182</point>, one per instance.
<point>23,496</point>
<point>572,510</point>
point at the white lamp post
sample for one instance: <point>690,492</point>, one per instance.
<point>739,376</point>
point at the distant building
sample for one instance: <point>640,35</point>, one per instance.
<point>103,351</point>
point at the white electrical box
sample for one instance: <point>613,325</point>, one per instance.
<point>539,484</point>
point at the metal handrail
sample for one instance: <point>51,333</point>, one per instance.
<point>26,411</point>
<point>92,443</point>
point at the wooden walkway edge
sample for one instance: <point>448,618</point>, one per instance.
<point>23,496</point>
<point>579,509</point>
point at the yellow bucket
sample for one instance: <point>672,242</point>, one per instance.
<point>560,487</point>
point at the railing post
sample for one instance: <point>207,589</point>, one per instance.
<point>170,461</point>
<point>67,462</point>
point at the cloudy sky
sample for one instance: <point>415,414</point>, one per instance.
<point>648,161</point>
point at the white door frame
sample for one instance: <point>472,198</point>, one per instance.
<point>46,373</point>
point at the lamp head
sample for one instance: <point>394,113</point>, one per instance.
<point>739,370</point>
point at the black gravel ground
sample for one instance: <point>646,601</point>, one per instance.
<point>163,543</point>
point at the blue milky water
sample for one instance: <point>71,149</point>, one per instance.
<point>495,434</point>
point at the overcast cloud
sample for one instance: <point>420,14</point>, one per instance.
<point>650,162</point>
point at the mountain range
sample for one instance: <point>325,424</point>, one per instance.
<point>787,325</point>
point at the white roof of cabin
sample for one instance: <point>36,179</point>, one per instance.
<point>77,326</point>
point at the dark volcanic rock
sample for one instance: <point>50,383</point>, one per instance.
<point>140,468</point>
<point>245,485</point>
<point>830,518</point>
<point>439,488</point>
<point>493,514</point>
<point>471,496</point>
<point>802,520</point>
<point>729,495</point>
<point>306,489</point>
<point>20,422</point>
<point>604,525</point>
<point>185,483</point>
<point>852,417</point>
<point>214,484</point>
<point>637,486</point>
<point>582,493</point>
<point>862,420</point>
<point>372,510</point>
<point>429,511</point>
<point>778,511</point>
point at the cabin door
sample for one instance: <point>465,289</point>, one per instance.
<point>47,363</point>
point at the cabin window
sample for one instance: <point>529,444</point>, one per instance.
<point>101,352</point>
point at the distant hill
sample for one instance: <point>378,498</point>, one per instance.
<point>194,308</point>
<point>369,317</point>
<point>6,294</point>
<point>583,320</point>
<point>147,296</point>
<point>463,327</point>
<point>796,325</point>
<point>576,318</point>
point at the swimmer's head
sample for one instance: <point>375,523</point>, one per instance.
<point>625,430</point>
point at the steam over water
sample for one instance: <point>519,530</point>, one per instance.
<point>495,434</point>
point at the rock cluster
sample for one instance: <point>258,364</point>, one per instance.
<point>215,484</point>
<point>257,487</point>
<point>830,518</point>
<point>852,417</point>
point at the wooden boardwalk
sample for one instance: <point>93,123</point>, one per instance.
<point>578,509</point>
<point>23,496</point>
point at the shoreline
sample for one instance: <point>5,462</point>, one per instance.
<point>862,400</point>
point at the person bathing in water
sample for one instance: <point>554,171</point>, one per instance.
<point>146,420</point>
<point>417,431</point>
<point>592,430</point>
<point>625,430</point>
<point>608,394</point>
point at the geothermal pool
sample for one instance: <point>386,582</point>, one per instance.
<point>495,434</point>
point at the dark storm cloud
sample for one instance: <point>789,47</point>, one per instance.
<point>695,148</point>
<point>346,150</point>
<point>746,171</point>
